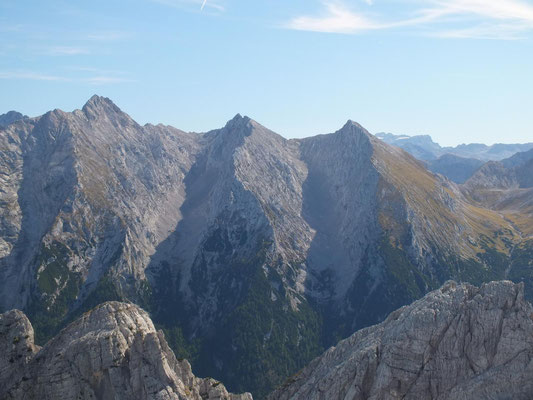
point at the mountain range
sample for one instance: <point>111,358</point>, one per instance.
<point>424,148</point>
<point>456,163</point>
<point>252,252</point>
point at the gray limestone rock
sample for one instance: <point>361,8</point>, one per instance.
<point>111,352</point>
<point>458,342</point>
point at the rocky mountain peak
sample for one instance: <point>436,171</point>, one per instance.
<point>241,129</point>
<point>10,117</point>
<point>238,124</point>
<point>354,127</point>
<point>112,351</point>
<point>98,105</point>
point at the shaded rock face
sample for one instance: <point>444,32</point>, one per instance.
<point>112,352</point>
<point>459,342</point>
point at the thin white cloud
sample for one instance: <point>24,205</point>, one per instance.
<point>483,19</point>
<point>488,32</point>
<point>94,70</point>
<point>340,19</point>
<point>37,76</point>
<point>337,19</point>
<point>66,51</point>
<point>495,9</point>
<point>184,3</point>
<point>103,80</point>
<point>33,76</point>
<point>108,36</point>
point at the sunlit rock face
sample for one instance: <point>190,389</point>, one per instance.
<point>111,352</point>
<point>458,342</point>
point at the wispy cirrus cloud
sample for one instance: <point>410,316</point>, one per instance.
<point>501,19</point>
<point>95,79</point>
<point>104,80</point>
<point>33,76</point>
<point>337,18</point>
<point>200,4</point>
<point>483,31</point>
<point>108,36</point>
<point>66,51</point>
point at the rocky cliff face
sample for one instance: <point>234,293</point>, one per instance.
<point>111,352</point>
<point>254,252</point>
<point>88,196</point>
<point>458,342</point>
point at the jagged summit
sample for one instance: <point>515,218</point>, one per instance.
<point>351,124</point>
<point>238,117</point>
<point>10,117</point>
<point>113,351</point>
<point>354,128</point>
<point>98,100</point>
<point>236,123</point>
<point>98,104</point>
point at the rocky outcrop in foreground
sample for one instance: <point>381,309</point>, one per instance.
<point>112,352</point>
<point>459,342</point>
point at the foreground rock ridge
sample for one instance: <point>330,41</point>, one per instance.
<point>111,352</point>
<point>254,253</point>
<point>458,342</point>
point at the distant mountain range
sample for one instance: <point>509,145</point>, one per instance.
<point>252,252</point>
<point>424,148</point>
<point>457,163</point>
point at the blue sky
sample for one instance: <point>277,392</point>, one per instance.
<point>459,70</point>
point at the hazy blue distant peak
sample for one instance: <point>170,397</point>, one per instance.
<point>518,159</point>
<point>424,148</point>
